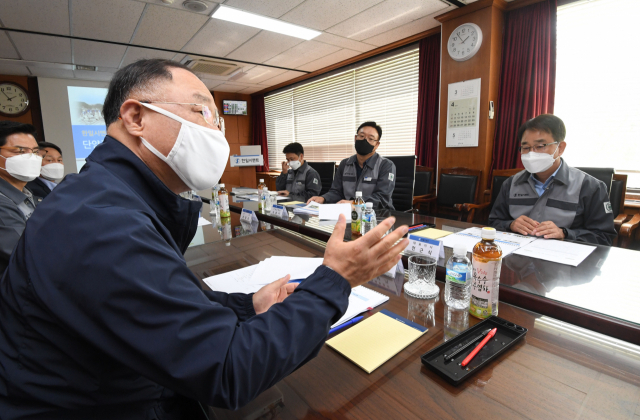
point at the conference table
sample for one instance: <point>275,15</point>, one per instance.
<point>569,365</point>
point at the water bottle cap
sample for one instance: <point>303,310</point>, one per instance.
<point>358,193</point>
<point>488,233</point>
<point>460,249</point>
<point>262,180</point>
<point>368,205</point>
<point>221,185</point>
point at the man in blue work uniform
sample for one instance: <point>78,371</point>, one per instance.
<point>100,316</point>
<point>365,171</point>
<point>550,199</point>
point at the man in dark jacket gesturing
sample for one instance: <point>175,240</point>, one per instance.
<point>101,318</point>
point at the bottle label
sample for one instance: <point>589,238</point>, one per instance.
<point>224,202</point>
<point>457,276</point>
<point>484,288</point>
<point>356,218</point>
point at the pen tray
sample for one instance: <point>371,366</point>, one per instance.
<point>507,335</point>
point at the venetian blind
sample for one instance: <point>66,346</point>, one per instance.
<point>323,115</point>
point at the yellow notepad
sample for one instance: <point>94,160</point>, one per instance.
<point>293,203</point>
<point>377,339</point>
<point>432,233</point>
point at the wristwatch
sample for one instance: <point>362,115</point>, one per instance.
<point>565,233</point>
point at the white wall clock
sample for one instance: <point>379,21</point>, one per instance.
<point>464,42</point>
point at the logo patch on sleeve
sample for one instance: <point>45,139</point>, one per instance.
<point>315,181</point>
<point>391,176</point>
<point>607,207</point>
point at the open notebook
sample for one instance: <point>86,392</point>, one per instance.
<point>361,300</point>
<point>376,339</point>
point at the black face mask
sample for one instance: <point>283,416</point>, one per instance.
<point>363,147</point>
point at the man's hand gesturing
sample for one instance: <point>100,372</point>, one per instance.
<point>367,257</point>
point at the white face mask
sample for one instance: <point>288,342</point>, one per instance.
<point>53,171</point>
<point>295,165</point>
<point>25,167</point>
<point>538,162</point>
<point>199,155</point>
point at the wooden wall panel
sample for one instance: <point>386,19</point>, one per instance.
<point>489,16</point>
<point>238,133</point>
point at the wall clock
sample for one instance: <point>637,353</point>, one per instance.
<point>14,100</point>
<point>464,41</point>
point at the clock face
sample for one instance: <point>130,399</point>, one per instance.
<point>14,100</point>
<point>464,42</point>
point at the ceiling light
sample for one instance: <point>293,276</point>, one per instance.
<point>274,25</point>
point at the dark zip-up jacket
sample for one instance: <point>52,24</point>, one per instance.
<point>305,181</point>
<point>100,317</point>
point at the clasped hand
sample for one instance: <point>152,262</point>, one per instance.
<point>527,226</point>
<point>357,261</point>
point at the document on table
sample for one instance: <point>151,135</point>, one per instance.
<point>431,233</point>
<point>361,300</point>
<point>507,241</point>
<point>275,268</point>
<point>560,252</point>
<point>312,208</point>
<point>333,211</point>
<point>236,281</point>
<point>203,222</point>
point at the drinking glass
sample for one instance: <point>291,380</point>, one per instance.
<point>422,278</point>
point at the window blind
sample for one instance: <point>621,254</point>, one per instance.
<point>323,115</point>
<point>597,85</point>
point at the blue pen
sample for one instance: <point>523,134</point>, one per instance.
<point>295,281</point>
<point>346,324</point>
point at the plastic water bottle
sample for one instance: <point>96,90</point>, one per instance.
<point>265,201</point>
<point>457,292</point>
<point>487,263</point>
<point>215,202</point>
<point>368,218</point>
<point>261,185</point>
<point>223,198</point>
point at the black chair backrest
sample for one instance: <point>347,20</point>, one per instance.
<point>615,196</point>
<point>497,185</point>
<point>405,176</point>
<point>456,189</point>
<point>326,170</point>
<point>421,186</point>
<point>603,174</point>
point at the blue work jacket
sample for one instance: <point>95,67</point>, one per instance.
<point>100,317</point>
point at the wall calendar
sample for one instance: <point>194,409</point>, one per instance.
<point>463,114</point>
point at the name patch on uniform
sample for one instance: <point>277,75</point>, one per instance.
<point>391,176</point>
<point>607,207</point>
<point>368,178</point>
<point>315,181</point>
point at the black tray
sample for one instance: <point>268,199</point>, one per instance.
<point>506,336</point>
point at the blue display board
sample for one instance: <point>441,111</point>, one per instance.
<point>87,122</point>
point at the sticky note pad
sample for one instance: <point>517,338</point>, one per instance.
<point>432,233</point>
<point>377,339</point>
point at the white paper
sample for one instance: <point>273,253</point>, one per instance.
<point>360,300</point>
<point>236,281</point>
<point>203,222</point>
<point>333,211</point>
<point>508,242</point>
<point>280,197</point>
<point>463,114</point>
<point>275,268</point>
<point>561,252</point>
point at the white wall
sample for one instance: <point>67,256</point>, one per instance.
<point>56,118</point>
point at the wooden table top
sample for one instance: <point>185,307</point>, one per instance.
<point>558,371</point>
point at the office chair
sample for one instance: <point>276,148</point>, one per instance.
<point>326,170</point>
<point>456,186</point>
<point>402,195</point>
<point>499,177</point>
<point>603,174</point>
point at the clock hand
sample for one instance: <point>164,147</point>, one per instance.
<point>465,39</point>
<point>4,93</point>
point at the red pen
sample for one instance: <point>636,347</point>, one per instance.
<point>475,351</point>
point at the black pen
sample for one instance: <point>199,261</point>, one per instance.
<point>461,347</point>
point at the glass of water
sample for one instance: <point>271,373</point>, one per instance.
<point>422,278</point>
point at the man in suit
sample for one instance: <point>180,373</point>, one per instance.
<point>52,170</point>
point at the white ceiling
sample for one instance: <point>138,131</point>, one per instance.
<point>349,28</point>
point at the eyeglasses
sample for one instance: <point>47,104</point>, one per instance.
<point>21,150</point>
<point>537,148</point>
<point>363,137</point>
<point>209,118</point>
